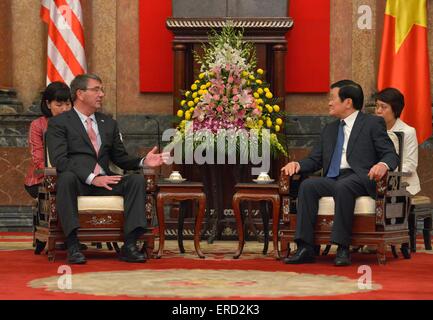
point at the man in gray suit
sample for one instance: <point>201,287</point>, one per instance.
<point>353,152</point>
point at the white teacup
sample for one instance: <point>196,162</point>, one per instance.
<point>175,175</point>
<point>263,176</point>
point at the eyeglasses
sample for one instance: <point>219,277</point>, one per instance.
<point>96,89</point>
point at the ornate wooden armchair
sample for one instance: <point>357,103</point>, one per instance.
<point>377,222</point>
<point>101,217</point>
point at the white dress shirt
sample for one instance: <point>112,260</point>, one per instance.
<point>349,122</point>
<point>83,119</point>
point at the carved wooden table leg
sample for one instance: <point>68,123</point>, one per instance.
<point>161,223</point>
<point>275,223</point>
<point>239,224</point>
<point>51,249</point>
<point>198,222</point>
<point>180,223</point>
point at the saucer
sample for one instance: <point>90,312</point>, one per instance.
<point>263,181</point>
<point>175,180</point>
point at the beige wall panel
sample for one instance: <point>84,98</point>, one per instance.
<point>29,62</point>
<point>102,59</point>
<point>129,98</point>
<point>341,39</point>
<point>5,47</point>
<point>306,104</point>
<point>364,50</point>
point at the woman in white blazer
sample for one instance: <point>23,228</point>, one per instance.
<point>389,105</point>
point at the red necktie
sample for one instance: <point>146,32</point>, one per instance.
<point>94,140</point>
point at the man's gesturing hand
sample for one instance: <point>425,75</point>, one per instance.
<point>105,181</point>
<point>154,159</point>
<point>291,168</point>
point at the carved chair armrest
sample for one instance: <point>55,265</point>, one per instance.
<point>288,190</point>
<point>150,176</point>
<point>392,200</point>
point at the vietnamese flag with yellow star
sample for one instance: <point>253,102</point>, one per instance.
<point>404,61</point>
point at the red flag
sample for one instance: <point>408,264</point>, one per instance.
<point>66,58</point>
<point>404,61</point>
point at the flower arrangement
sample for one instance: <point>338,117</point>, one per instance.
<point>230,94</point>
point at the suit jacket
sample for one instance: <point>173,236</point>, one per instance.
<point>70,148</point>
<point>368,144</point>
<point>409,157</point>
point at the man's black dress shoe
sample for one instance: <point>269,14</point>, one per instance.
<point>75,256</point>
<point>302,255</point>
<point>130,253</point>
<point>343,256</point>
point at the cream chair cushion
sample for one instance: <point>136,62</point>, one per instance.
<point>419,200</point>
<point>363,205</point>
<point>100,203</point>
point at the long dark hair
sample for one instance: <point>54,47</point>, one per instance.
<point>55,91</point>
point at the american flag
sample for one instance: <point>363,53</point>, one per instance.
<point>66,57</point>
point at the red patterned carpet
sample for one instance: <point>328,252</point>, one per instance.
<point>24,275</point>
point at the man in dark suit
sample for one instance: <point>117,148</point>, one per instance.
<point>353,152</point>
<point>81,142</point>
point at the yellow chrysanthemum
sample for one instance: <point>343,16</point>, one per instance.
<point>187,115</point>
<point>259,101</point>
<point>277,128</point>
<point>269,123</point>
<point>208,84</point>
<point>256,95</point>
<point>260,123</point>
<point>180,113</point>
<point>194,95</point>
<point>269,95</point>
<point>279,121</point>
<point>260,71</point>
<point>182,103</point>
<point>200,92</point>
<point>244,74</point>
<point>258,81</point>
<point>201,75</point>
<point>251,77</point>
<point>190,104</point>
<point>266,89</point>
<point>187,93</point>
<point>193,87</point>
<point>276,108</point>
<point>191,109</point>
<point>197,81</point>
<point>270,109</point>
<point>202,87</point>
<point>260,108</point>
<point>196,100</point>
<point>260,91</point>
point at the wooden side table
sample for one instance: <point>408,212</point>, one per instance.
<point>256,192</point>
<point>180,192</point>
